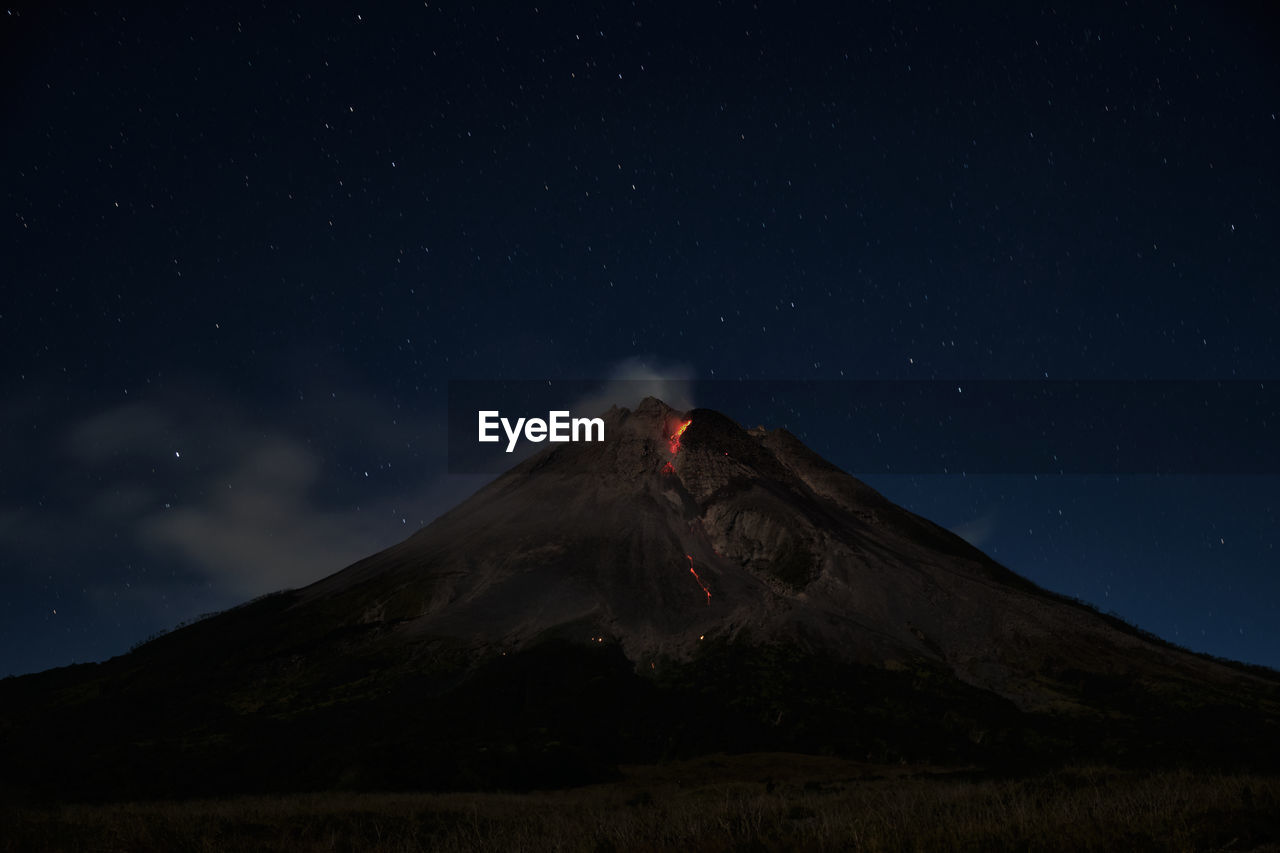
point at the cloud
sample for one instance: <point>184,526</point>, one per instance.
<point>201,490</point>
<point>263,529</point>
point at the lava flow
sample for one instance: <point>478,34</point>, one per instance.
<point>698,579</point>
<point>673,442</point>
<point>674,438</point>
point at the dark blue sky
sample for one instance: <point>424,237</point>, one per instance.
<point>245,249</point>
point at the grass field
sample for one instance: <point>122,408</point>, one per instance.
<point>723,803</point>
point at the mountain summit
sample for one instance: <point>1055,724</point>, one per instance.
<point>684,526</point>
<point>683,586</point>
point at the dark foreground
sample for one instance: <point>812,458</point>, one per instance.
<point>740,803</point>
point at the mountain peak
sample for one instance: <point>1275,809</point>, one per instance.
<point>683,526</point>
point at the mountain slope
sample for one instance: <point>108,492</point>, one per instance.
<point>598,541</point>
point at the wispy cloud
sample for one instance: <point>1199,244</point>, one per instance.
<point>258,527</point>
<point>234,502</point>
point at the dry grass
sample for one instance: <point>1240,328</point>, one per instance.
<point>746,803</point>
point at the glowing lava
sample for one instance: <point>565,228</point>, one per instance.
<point>673,441</point>
<point>699,580</point>
<point>674,438</point>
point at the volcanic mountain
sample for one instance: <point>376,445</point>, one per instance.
<point>685,586</point>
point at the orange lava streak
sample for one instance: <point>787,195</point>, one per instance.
<point>698,579</point>
<point>674,438</point>
<point>669,468</point>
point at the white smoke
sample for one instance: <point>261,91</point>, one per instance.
<point>633,379</point>
<point>977,531</point>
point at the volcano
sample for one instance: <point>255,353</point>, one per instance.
<point>685,586</point>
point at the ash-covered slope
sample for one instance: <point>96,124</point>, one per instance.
<point>685,586</point>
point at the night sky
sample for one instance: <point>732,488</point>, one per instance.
<point>244,250</point>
